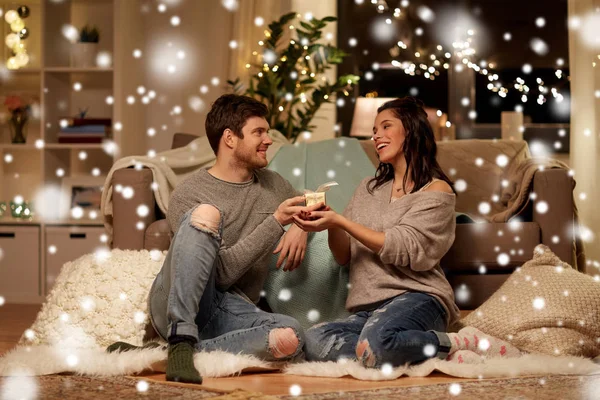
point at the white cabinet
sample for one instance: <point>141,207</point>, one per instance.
<point>67,243</point>
<point>20,266</point>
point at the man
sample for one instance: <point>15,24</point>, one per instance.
<point>226,222</point>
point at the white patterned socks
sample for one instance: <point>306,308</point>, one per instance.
<point>472,339</point>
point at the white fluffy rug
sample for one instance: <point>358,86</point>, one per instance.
<point>44,360</point>
<point>101,298</point>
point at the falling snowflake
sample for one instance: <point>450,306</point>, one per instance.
<point>429,350</point>
<point>231,5</point>
<point>540,22</point>
<point>484,344</point>
<point>455,389</point>
<point>295,390</point>
<point>484,207</point>
<point>142,386</point>
<point>539,303</point>
<point>462,294</point>
<point>155,255</point>
<point>139,317</point>
<point>539,47</point>
<point>502,160</point>
<point>503,259</point>
<point>72,360</point>
<point>19,387</point>
<point>313,315</point>
<point>387,369</point>
<point>127,192</point>
<point>460,185</point>
<point>285,295</point>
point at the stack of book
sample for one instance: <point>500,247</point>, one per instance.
<point>85,130</point>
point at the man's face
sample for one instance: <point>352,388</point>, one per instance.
<point>251,151</point>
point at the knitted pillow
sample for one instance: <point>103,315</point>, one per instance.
<point>546,307</point>
<point>314,292</point>
<point>96,300</point>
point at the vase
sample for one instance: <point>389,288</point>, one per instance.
<point>18,126</point>
<point>83,55</point>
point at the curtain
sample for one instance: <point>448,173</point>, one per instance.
<point>585,117</point>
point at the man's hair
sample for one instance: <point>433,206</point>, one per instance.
<point>231,111</point>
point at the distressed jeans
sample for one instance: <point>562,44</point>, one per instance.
<point>407,329</point>
<point>184,300</point>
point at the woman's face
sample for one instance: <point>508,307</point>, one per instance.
<point>388,134</point>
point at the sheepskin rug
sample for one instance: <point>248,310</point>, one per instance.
<point>101,298</point>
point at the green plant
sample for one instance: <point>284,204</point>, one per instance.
<point>89,34</point>
<point>289,79</point>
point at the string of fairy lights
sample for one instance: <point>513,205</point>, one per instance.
<point>429,63</point>
<point>15,39</point>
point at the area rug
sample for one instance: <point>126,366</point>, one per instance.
<point>85,387</point>
<point>538,388</point>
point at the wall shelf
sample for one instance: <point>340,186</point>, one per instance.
<point>11,146</point>
<point>80,70</point>
<point>82,146</point>
<point>50,78</point>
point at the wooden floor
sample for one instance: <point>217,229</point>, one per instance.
<point>15,319</point>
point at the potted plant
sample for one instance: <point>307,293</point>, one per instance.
<point>288,76</point>
<point>19,111</point>
<point>86,49</point>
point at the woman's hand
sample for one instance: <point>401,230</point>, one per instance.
<point>317,221</point>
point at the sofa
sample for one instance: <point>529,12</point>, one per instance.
<point>483,255</point>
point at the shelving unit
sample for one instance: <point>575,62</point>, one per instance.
<point>50,77</point>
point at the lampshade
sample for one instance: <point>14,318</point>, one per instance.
<point>365,111</point>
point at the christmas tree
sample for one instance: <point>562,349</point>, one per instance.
<point>289,79</point>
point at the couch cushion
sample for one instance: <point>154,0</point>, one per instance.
<point>475,162</point>
<point>158,236</point>
<point>471,291</point>
<point>500,247</point>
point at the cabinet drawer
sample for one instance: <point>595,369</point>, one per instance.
<point>67,243</point>
<point>20,275</point>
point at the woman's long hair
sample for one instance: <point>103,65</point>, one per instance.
<point>419,147</point>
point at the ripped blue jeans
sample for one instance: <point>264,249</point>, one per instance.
<point>407,329</point>
<point>184,300</point>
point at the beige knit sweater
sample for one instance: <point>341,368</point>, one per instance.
<point>419,230</point>
<point>250,231</point>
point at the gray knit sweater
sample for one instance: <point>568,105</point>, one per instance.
<point>419,230</point>
<point>250,231</point>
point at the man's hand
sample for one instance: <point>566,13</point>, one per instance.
<point>293,247</point>
<point>290,207</point>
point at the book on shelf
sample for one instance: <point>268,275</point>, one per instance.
<point>80,139</point>
<point>93,133</point>
<point>83,129</point>
<point>71,121</point>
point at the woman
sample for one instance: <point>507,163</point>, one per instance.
<point>393,233</point>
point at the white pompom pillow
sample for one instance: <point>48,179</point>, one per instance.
<point>98,299</point>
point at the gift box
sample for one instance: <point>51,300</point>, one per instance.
<point>318,196</point>
<point>315,198</point>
